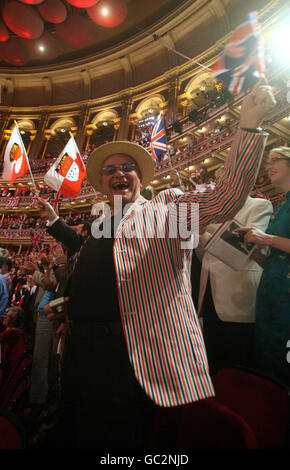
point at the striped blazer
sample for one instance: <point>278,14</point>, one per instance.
<point>152,258</point>
<point>152,263</point>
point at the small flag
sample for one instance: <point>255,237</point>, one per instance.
<point>67,173</point>
<point>46,198</point>
<point>33,201</point>
<point>15,157</point>
<point>36,239</point>
<point>13,201</point>
<point>242,61</point>
<point>158,141</point>
<point>56,202</point>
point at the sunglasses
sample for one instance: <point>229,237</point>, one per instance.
<point>124,167</point>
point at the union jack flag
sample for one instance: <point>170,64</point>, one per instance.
<point>36,239</point>
<point>33,201</point>
<point>13,201</point>
<point>56,202</point>
<point>242,60</point>
<point>158,141</point>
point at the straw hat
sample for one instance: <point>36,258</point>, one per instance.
<point>96,159</point>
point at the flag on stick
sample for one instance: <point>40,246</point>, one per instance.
<point>242,61</point>
<point>15,157</point>
<point>56,202</point>
<point>158,141</point>
<point>67,173</point>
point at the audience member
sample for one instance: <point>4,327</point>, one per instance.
<point>4,293</point>
<point>43,338</point>
<point>227,297</point>
<point>272,308</point>
<point>113,396</point>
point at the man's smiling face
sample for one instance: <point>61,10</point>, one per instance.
<point>126,184</point>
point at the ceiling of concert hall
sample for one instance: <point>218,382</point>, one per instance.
<point>44,32</point>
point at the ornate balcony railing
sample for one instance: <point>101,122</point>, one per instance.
<point>22,237</point>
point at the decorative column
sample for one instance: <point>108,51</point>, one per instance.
<point>89,133</point>
<point>133,131</point>
<point>125,118</point>
<point>37,142</point>
<point>32,138</point>
<point>4,142</point>
<point>172,108</point>
<point>81,132</point>
<point>116,127</point>
<point>184,104</point>
<point>7,92</point>
<point>47,137</point>
<point>4,121</point>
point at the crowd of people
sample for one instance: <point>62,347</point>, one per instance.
<point>123,324</point>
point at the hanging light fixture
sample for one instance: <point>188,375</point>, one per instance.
<point>23,20</point>
<point>53,11</point>
<point>82,3</point>
<point>4,34</point>
<point>76,31</point>
<point>32,2</point>
<point>108,13</point>
<point>14,52</point>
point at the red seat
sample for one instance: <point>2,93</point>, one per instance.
<point>11,433</point>
<point>262,403</point>
<point>16,373</point>
<point>205,424</point>
<point>16,384</point>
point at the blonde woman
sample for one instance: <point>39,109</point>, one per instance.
<point>273,296</point>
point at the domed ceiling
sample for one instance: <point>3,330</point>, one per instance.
<point>46,32</point>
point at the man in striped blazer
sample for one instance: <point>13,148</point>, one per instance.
<point>133,325</point>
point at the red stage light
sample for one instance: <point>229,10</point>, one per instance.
<point>4,34</point>
<point>53,11</point>
<point>76,31</point>
<point>108,13</point>
<point>82,3</point>
<point>23,20</point>
<point>14,52</point>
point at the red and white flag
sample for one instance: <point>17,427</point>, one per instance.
<point>67,173</point>
<point>15,157</point>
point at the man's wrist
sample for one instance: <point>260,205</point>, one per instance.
<point>49,223</point>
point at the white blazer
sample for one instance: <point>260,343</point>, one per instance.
<point>234,292</point>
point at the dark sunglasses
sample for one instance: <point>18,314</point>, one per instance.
<point>125,167</point>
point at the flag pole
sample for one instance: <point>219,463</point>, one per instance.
<point>33,181</point>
